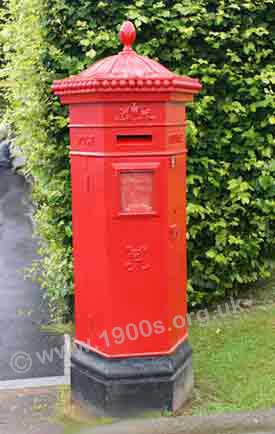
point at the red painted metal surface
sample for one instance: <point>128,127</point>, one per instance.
<point>128,166</point>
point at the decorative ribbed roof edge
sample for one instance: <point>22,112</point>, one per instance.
<point>72,86</point>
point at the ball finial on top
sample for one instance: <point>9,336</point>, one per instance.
<point>127,35</point>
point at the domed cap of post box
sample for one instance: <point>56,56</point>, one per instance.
<point>125,72</point>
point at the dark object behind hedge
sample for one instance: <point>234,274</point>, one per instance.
<point>5,156</point>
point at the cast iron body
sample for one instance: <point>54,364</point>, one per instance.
<point>128,165</point>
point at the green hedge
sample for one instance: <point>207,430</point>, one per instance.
<point>229,45</point>
<point>3,17</point>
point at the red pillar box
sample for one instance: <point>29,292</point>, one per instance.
<point>128,165</point>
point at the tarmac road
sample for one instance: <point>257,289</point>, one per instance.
<point>22,307</point>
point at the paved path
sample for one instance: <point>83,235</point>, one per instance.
<point>22,308</point>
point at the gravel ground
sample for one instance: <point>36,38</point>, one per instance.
<point>32,411</point>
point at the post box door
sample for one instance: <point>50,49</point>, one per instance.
<point>138,258</point>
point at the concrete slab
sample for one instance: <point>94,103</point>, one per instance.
<point>260,422</point>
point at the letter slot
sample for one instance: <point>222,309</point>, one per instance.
<point>134,139</point>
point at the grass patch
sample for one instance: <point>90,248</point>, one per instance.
<point>73,417</point>
<point>233,357</point>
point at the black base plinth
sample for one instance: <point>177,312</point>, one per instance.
<point>126,386</point>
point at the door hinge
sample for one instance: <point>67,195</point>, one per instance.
<point>173,161</point>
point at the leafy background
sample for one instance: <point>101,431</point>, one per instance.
<point>3,85</point>
<point>229,46</point>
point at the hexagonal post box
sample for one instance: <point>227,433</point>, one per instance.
<point>128,168</point>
